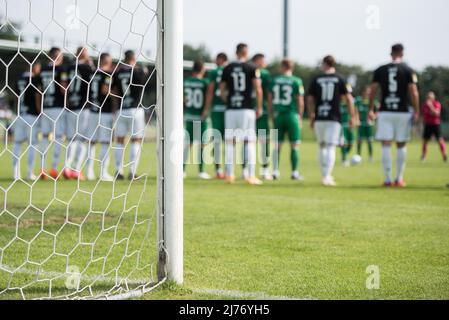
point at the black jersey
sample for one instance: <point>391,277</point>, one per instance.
<point>394,80</point>
<point>327,90</point>
<point>129,90</point>
<point>239,77</point>
<point>50,81</point>
<point>27,91</point>
<point>98,100</point>
<point>79,75</point>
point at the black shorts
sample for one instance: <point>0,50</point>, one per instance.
<point>432,130</point>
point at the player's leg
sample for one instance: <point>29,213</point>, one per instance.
<point>21,132</point>
<point>137,135</point>
<point>320,132</point>
<point>83,143</point>
<point>91,132</point>
<point>218,136</point>
<point>385,134</point>
<point>249,127</point>
<point>59,117</point>
<point>204,141</point>
<point>263,129</point>
<point>294,135</point>
<point>331,140</point>
<point>34,124</point>
<point>231,123</point>
<point>188,141</point>
<point>121,131</point>
<point>359,140</point>
<point>280,132</point>
<point>403,128</point>
<point>369,140</point>
<point>441,142</point>
<point>104,137</point>
<point>427,134</point>
<point>47,127</point>
<point>72,148</point>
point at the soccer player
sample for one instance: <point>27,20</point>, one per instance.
<point>26,126</point>
<point>365,130</point>
<point>262,123</point>
<point>128,84</point>
<point>77,114</point>
<point>218,110</point>
<point>286,107</point>
<point>100,121</point>
<point>196,114</point>
<point>431,111</point>
<point>347,133</point>
<point>323,103</point>
<point>52,81</point>
<point>239,80</point>
<point>397,82</point>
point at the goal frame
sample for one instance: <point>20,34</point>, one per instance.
<point>170,140</point>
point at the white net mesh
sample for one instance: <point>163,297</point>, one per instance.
<point>62,235</point>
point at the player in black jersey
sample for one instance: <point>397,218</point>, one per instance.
<point>52,81</point>
<point>325,94</point>
<point>239,80</point>
<point>26,125</point>
<point>128,84</point>
<point>399,92</point>
<point>101,117</point>
<point>77,113</point>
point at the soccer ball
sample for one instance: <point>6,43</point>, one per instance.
<point>356,160</point>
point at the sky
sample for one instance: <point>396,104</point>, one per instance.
<point>355,31</point>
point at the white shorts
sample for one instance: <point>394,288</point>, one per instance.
<point>100,127</point>
<point>53,121</point>
<point>394,126</point>
<point>26,128</point>
<point>240,125</point>
<point>328,132</point>
<point>130,122</point>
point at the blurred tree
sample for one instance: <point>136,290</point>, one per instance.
<point>197,53</point>
<point>9,29</point>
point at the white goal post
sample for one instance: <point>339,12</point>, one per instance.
<point>92,238</point>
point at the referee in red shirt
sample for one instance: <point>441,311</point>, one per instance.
<point>431,111</point>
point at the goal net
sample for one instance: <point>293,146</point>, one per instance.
<point>87,105</point>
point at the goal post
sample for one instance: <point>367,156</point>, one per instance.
<point>171,172</point>
<point>116,232</point>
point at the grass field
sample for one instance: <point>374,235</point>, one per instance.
<point>283,239</point>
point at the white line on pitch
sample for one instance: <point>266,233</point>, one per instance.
<point>245,295</point>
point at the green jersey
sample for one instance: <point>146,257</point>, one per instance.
<point>194,97</point>
<point>344,114</point>
<point>285,90</point>
<point>265,78</point>
<point>362,106</point>
<point>214,77</point>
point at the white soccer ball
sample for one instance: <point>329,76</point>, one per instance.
<point>356,160</point>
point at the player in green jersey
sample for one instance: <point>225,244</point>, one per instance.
<point>262,124</point>
<point>347,133</point>
<point>217,112</point>
<point>196,114</point>
<point>366,127</point>
<point>286,107</point>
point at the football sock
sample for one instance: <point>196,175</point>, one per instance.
<point>56,153</point>
<point>401,159</point>
<point>370,149</point>
<point>15,158</point>
<point>252,158</point>
<point>104,157</point>
<point>359,147</point>
<point>71,152</point>
<point>245,154</point>
<point>217,154</point>
<point>83,146</point>
<point>43,148</point>
<point>322,155</point>
<point>229,157</point>
<point>276,157</point>
<point>119,157</point>
<point>265,146</point>
<point>30,162</point>
<point>294,158</point>
<point>330,163</point>
<point>387,162</point>
<point>91,159</point>
<point>134,157</point>
<point>186,154</point>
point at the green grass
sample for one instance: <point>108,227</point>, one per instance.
<point>288,239</point>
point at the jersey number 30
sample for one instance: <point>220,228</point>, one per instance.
<point>194,98</point>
